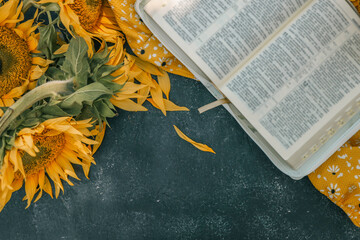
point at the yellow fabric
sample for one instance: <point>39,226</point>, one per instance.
<point>339,178</point>
<point>142,41</point>
<point>356,4</point>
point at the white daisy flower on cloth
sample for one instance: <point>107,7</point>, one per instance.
<point>162,62</point>
<point>357,195</point>
<point>333,191</point>
<point>333,169</point>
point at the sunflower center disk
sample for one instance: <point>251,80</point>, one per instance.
<point>88,12</point>
<point>49,149</point>
<point>15,60</point>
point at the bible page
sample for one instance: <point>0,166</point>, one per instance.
<point>220,35</point>
<point>305,76</point>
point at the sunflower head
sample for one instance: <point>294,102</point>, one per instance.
<point>49,148</point>
<point>15,60</point>
<point>19,70</point>
<point>90,19</point>
<point>88,12</point>
<point>46,151</point>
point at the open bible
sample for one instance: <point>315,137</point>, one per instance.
<point>290,68</point>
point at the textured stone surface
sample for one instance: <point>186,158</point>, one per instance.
<point>150,184</point>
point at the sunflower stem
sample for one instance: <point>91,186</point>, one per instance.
<point>31,3</point>
<point>49,17</point>
<point>51,89</point>
<point>27,5</point>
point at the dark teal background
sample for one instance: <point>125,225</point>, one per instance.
<point>150,184</point>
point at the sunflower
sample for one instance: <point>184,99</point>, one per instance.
<point>19,70</point>
<point>89,19</point>
<point>46,151</point>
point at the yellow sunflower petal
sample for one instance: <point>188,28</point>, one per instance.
<point>5,198</point>
<point>16,160</point>
<point>27,27</point>
<point>169,106</point>
<point>146,66</point>
<point>17,92</point>
<point>67,167</point>
<point>7,10</point>
<point>86,169</point>
<point>36,73</point>
<point>32,43</point>
<point>40,61</point>
<point>55,166</point>
<point>65,20</point>
<point>62,49</point>
<point>15,16</point>
<point>127,96</point>
<point>47,187</point>
<point>57,190</point>
<point>157,97</point>
<point>31,183</point>
<point>99,138</point>
<point>54,176</point>
<point>41,176</point>
<point>144,92</point>
<point>132,72</point>
<point>7,176</point>
<point>128,105</point>
<point>164,82</point>
<point>38,196</point>
<point>28,140</point>
<point>17,184</point>
<point>5,102</point>
<point>146,79</point>
<point>130,88</point>
<point>69,155</point>
<point>199,146</point>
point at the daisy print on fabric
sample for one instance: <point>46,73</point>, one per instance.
<point>334,169</point>
<point>358,196</point>
<point>162,62</point>
<point>333,191</point>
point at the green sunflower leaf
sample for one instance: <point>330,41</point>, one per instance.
<point>31,122</point>
<point>96,114</point>
<point>54,7</point>
<point>99,59</point>
<point>76,62</point>
<point>107,81</point>
<point>81,80</point>
<point>2,150</point>
<point>55,74</point>
<point>41,80</point>
<point>105,70</point>
<point>47,41</point>
<point>105,108</point>
<point>6,142</point>
<point>53,110</point>
<point>85,95</point>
